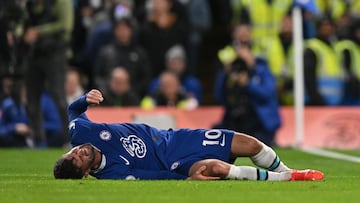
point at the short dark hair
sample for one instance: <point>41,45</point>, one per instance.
<point>65,169</point>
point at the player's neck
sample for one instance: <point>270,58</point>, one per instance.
<point>97,160</point>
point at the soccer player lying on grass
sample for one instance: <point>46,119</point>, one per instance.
<point>138,151</point>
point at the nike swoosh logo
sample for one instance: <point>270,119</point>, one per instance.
<point>223,141</point>
<point>126,161</point>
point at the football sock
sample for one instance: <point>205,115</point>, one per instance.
<point>268,159</point>
<point>252,173</point>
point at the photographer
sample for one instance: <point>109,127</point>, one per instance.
<point>249,96</point>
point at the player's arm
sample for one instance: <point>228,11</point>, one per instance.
<point>165,175</point>
<point>78,107</point>
<point>199,174</point>
<point>138,174</point>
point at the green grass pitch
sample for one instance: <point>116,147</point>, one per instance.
<point>26,176</point>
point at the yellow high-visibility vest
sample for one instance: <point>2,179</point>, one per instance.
<point>330,76</point>
<point>281,63</point>
<point>327,61</point>
<point>336,7</point>
<point>354,51</point>
<point>266,18</point>
<point>282,67</point>
<point>355,8</point>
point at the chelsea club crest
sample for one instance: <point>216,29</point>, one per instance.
<point>105,135</point>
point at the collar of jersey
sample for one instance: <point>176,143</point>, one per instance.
<point>102,164</point>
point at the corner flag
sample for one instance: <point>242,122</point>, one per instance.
<point>308,5</point>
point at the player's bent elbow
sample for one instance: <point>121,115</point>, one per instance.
<point>218,168</point>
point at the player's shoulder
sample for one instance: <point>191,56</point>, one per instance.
<point>133,124</point>
<point>80,122</point>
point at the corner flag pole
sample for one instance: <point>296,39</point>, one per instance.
<point>299,76</point>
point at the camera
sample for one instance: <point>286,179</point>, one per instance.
<point>239,66</point>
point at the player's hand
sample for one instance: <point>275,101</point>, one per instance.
<point>198,175</point>
<point>94,97</point>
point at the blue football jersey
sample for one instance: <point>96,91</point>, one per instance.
<point>138,151</point>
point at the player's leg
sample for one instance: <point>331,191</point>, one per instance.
<point>218,168</point>
<point>243,145</point>
<point>265,157</point>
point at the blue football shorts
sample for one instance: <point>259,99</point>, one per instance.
<point>187,146</point>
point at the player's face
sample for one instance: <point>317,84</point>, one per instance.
<point>83,156</point>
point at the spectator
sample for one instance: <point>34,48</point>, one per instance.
<point>176,63</point>
<point>169,94</point>
<point>52,123</point>
<point>321,67</point>
<point>199,15</point>
<point>73,85</point>
<point>354,7</point>
<point>11,16</point>
<point>348,51</point>
<point>164,28</point>
<point>264,16</point>
<point>279,54</point>
<point>249,97</point>
<point>342,12</point>
<point>119,91</point>
<point>83,13</point>
<point>102,35</point>
<point>126,53</point>
<point>241,36</point>
<point>14,123</point>
<point>334,9</point>
<point>6,83</point>
<point>343,26</point>
<point>48,32</point>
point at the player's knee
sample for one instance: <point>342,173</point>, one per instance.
<point>255,146</point>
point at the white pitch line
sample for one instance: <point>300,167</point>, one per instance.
<point>335,155</point>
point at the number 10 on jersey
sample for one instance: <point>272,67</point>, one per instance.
<point>213,137</point>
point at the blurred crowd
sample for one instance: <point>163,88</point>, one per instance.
<point>177,53</point>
